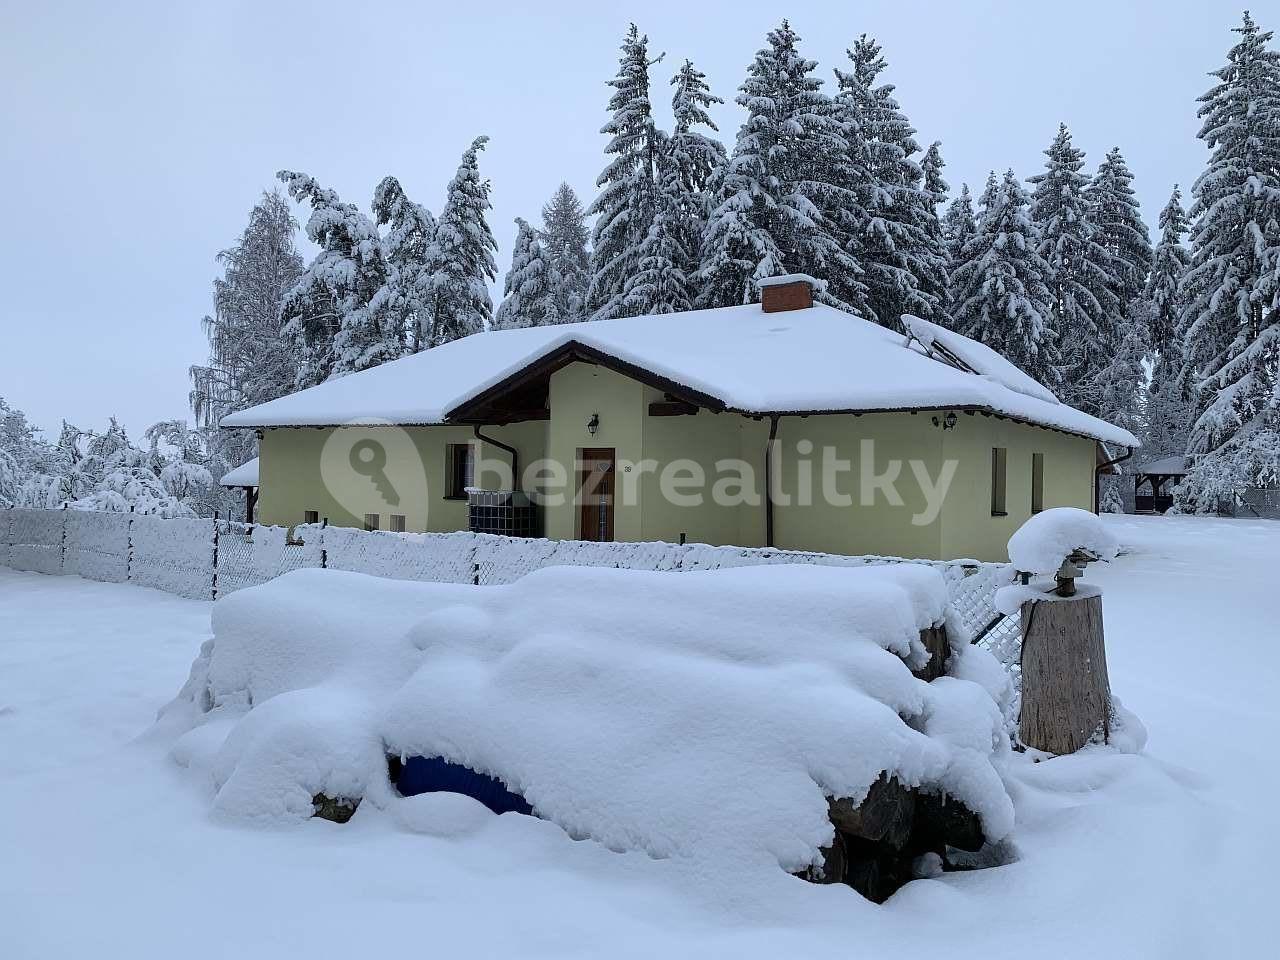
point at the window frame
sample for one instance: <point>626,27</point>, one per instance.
<point>999,481</point>
<point>1037,483</point>
<point>372,521</point>
<point>310,516</point>
<point>396,522</point>
<point>455,485</point>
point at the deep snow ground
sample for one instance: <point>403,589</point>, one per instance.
<point>105,850</point>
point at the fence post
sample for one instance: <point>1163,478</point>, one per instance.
<point>62,549</point>
<point>128,562</point>
<point>215,555</point>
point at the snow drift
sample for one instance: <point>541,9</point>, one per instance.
<point>705,716</point>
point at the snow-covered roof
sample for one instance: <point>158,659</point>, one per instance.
<point>814,360</point>
<point>245,475</point>
<point>1171,466</point>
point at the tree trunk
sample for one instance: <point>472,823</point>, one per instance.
<point>1066,695</point>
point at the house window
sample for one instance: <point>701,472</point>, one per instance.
<point>310,516</point>
<point>397,523</point>
<point>999,457</point>
<point>371,521</point>
<point>1037,482</point>
<point>459,466</point>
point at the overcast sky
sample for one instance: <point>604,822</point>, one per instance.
<point>134,138</point>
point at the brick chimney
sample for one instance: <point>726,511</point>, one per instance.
<point>792,291</point>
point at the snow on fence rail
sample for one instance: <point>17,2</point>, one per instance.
<point>206,559</point>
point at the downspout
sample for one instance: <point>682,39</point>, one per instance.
<point>515,457</point>
<point>768,480</point>
<point>1097,476</point>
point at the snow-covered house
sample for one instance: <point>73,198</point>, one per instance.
<point>784,423</point>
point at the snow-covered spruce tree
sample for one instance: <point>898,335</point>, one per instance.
<point>661,282</point>
<point>1231,291</point>
<point>1117,217</point>
<point>525,291</point>
<point>1085,304</point>
<point>410,231</point>
<point>934,185</point>
<point>564,242</point>
<point>1169,262</point>
<point>1121,399</point>
<point>1000,287</point>
<point>1168,409</point>
<point>937,190</point>
<point>625,205</point>
<point>687,166</point>
<point>460,262</point>
<point>770,205</point>
<point>250,360</point>
<point>694,154</point>
<point>958,224</point>
<point>900,249</point>
<point>665,277</point>
<point>331,314</point>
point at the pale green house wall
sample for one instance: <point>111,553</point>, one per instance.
<point>968,528</point>
<point>291,479</point>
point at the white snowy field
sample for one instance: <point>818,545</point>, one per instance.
<point>106,850</point>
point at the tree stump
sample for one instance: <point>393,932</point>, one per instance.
<point>1066,695</point>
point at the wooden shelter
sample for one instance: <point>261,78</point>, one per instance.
<point>1159,477</point>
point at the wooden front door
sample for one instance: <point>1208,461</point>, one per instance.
<point>595,494</point>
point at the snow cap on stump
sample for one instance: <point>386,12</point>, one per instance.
<point>1041,544</point>
<point>791,291</point>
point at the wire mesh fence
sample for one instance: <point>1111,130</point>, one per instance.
<point>207,559</point>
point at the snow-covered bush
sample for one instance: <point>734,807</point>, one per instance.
<point>707,715</point>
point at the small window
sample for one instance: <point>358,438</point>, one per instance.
<point>311,516</point>
<point>1037,482</point>
<point>397,523</point>
<point>371,521</point>
<point>458,470</point>
<point>999,457</point>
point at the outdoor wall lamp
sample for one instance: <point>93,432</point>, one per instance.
<point>946,423</point>
<point>593,424</point>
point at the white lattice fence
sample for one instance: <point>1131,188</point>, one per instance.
<point>252,554</point>
<point>97,545</point>
<point>179,556</point>
<point>501,560</point>
<point>173,555</point>
<point>441,557</point>
<point>6,525</point>
<point>35,540</point>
